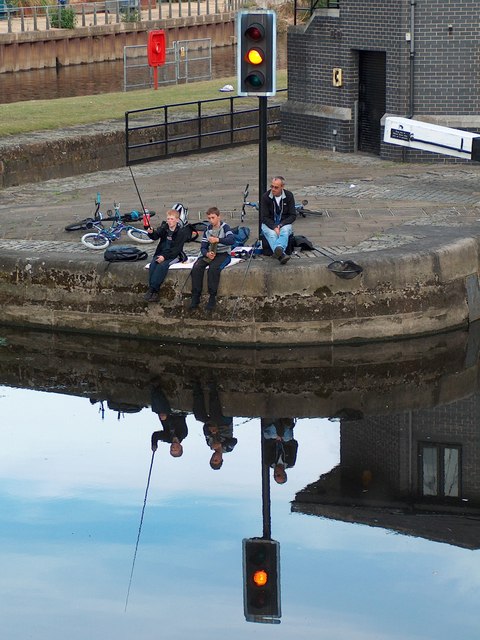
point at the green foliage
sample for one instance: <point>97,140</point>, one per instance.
<point>131,15</point>
<point>30,3</point>
<point>63,18</point>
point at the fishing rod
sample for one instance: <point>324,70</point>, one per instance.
<point>138,192</point>
<point>139,530</point>
<point>249,262</point>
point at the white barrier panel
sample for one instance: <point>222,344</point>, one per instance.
<point>429,137</point>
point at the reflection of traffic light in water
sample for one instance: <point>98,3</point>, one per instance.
<point>261,580</point>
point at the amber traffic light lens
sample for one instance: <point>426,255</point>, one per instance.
<point>255,32</point>
<point>260,578</point>
<point>255,56</point>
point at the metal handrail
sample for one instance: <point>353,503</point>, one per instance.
<point>305,8</point>
<point>165,138</point>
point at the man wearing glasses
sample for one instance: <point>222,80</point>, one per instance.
<point>277,211</point>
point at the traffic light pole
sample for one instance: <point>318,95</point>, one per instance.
<point>262,153</point>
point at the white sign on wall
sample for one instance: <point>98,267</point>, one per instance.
<point>429,137</point>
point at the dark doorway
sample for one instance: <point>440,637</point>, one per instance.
<point>371,99</point>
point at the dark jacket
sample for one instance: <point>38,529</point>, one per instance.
<point>172,250</point>
<point>287,209</point>
<point>174,426</point>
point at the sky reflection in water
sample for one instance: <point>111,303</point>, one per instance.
<point>72,487</point>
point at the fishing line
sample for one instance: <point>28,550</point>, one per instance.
<point>139,530</point>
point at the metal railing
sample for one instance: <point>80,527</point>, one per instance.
<point>39,18</point>
<point>303,9</point>
<point>167,130</point>
<point>186,61</point>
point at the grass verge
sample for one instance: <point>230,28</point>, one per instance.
<point>40,115</point>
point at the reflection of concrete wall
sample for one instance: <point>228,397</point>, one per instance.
<point>310,381</point>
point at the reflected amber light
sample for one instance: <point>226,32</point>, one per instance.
<point>260,578</point>
<point>254,56</point>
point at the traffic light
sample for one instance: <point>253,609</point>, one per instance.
<point>256,53</point>
<point>261,580</point>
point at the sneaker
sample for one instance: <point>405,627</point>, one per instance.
<point>148,295</point>
<point>284,259</point>
<point>278,253</point>
<point>154,297</point>
<point>195,301</point>
<point>212,301</point>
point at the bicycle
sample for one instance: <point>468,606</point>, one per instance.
<point>98,217</point>
<point>102,238</point>
<point>299,208</point>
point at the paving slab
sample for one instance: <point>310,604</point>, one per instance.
<point>354,196</point>
<point>414,228</point>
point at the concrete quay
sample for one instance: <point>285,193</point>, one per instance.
<point>413,228</point>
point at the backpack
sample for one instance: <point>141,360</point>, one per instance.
<point>182,212</point>
<point>122,254</point>
<point>241,235</point>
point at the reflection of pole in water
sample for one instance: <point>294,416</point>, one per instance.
<point>266,503</point>
<point>261,563</point>
<point>139,529</point>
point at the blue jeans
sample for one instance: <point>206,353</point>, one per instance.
<point>157,272</point>
<point>277,241</point>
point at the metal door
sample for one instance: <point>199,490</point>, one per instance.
<point>371,99</point>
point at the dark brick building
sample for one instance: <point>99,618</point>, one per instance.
<point>349,66</point>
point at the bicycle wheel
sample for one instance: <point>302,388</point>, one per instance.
<point>95,241</point>
<point>139,235</point>
<point>81,224</point>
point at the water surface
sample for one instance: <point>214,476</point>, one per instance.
<point>366,549</point>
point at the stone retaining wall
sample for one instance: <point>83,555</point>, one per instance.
<point>101,43</point>
<point>399,294</point>
<point>99,147</point>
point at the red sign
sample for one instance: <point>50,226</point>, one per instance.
<point>156,48</point>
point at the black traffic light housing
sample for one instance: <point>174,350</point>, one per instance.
<point>256,53</point>
<point>261,580</point>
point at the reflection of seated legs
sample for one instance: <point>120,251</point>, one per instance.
<point>214,413</point>
<point>279,446</point>
<point>159,400</point>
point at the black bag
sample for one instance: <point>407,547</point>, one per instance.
<point>303,243</point>
<point>124,254</point>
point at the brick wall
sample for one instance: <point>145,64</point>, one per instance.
<point>388,445</point>
<point>446,68</point>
